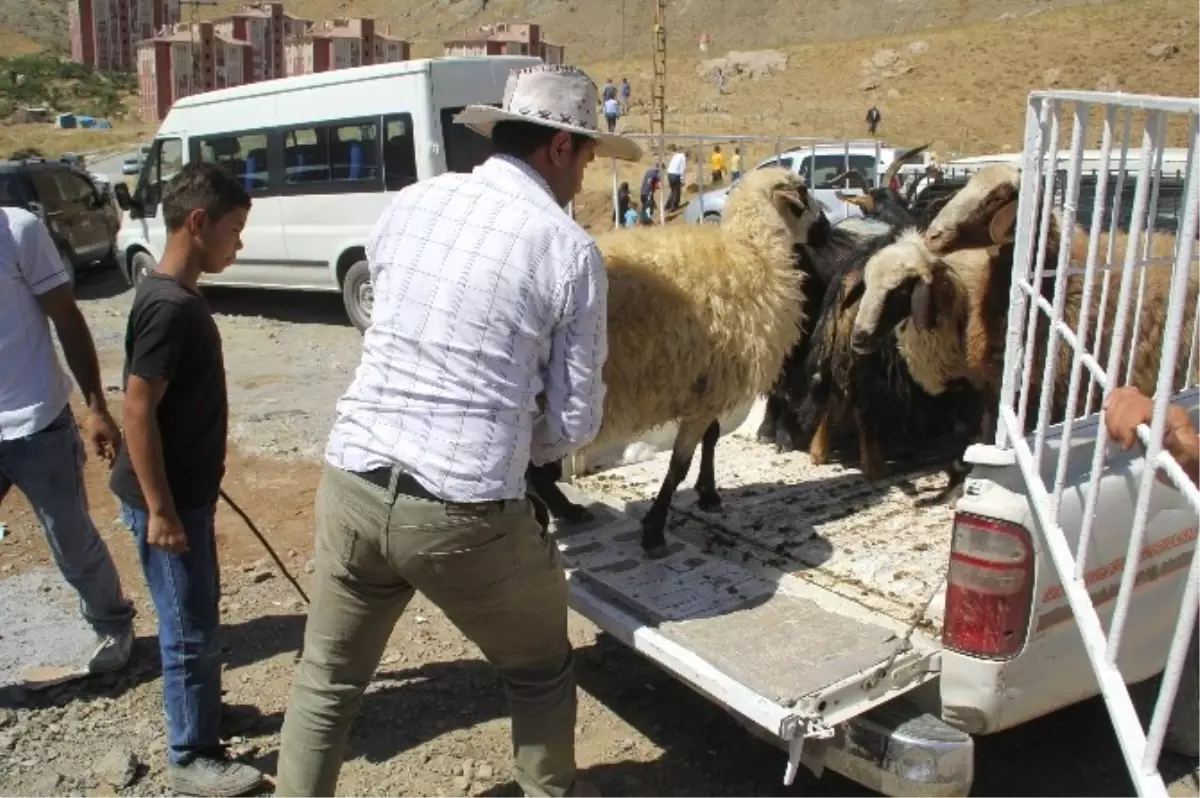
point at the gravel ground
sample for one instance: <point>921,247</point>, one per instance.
<point>434,722</point>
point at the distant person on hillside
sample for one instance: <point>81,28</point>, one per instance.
<point>622,203</point>
<point>631,217</point>
<point>610,91</point>
<point>735,164</point>
<point>612,110</point>
<point>873,119</point>
<point>718,164</point>
<point>676,168</point>
<point>626,89</point>
<point>720,81</point>
<point>650,182</point>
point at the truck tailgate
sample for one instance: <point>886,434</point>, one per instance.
<point>736,609</point>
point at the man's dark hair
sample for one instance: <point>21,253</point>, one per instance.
<point>205,186</point>
<point>522,139</point>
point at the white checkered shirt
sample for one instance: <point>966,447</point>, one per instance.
<point>486,293</point>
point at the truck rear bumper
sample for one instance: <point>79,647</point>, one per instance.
<point>896,749</point>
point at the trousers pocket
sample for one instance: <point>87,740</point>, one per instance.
<point>482,568</point>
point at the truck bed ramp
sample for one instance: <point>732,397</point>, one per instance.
<point>788,656</point>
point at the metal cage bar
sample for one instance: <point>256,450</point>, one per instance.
<point>1099,352</point>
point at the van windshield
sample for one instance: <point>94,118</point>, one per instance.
<point>465,149</point>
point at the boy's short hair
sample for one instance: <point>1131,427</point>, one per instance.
<point>204,186</point>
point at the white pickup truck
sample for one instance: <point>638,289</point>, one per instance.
<point>838,618</point>
<point>876,636</point>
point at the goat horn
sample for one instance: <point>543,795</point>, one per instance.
<point>894,167</point>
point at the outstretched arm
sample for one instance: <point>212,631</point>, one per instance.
<point>574,385</point>
<point>1127,407</point>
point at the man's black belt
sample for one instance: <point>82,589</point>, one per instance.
<point>407,485</point>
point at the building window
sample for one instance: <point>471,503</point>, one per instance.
<point>244,155</point>
<point>341,153</point>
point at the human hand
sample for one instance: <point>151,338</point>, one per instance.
<point>1127,407</point>
<point>165,531</point>
<point>102,434</point>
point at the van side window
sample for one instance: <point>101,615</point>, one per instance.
<point>830,166</point>
<point>339,153</point>
<point>399,152</point>
<point>243,154</point>
<point>163,161</point>
<point>465,149</point>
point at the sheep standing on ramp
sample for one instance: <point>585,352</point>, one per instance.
<point>700,320</point>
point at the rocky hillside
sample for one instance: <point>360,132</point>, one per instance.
<point>600,29</point>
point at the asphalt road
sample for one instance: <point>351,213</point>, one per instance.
<point>110,167</point>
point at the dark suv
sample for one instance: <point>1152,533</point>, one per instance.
<point>79,211</point>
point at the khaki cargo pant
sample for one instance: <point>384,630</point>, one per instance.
<point>496,575</point>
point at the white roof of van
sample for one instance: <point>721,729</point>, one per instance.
<point>336,76</point>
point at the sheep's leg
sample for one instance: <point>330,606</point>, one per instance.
<point>787,432</point>
<point>767,430</point>
<point>706,483</point>
<point>543,483</point>
<point>870,458</point>
<point>654,523</point>
<point>818,450</point>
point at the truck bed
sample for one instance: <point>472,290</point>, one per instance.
<point>799,607</point>
<point>867,542</point>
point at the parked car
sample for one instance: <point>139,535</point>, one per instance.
<point>830,160</point>
<point>132,165</point>
<point>79,212</point>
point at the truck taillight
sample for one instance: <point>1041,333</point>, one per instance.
<point>989,588</point>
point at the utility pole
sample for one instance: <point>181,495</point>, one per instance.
<point>623,29</point>
<point>658,100</point>
<point>194,4</point>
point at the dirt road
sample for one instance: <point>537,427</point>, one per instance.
<point>434,722</point>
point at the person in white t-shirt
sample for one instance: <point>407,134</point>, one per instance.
<point>612,110</point>
<point>676,169</point>
<point>41,450</point>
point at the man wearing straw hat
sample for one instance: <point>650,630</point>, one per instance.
<point>484,352</point>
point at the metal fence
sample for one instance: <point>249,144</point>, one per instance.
<point>1136,199</point>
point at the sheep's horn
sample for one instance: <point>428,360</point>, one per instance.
<point>894,167</point>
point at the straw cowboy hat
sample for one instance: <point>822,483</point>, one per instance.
<point>561,97</point>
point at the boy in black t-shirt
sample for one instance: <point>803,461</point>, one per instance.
<point>168,474</point>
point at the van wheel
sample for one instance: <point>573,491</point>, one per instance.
<point>142,264</point>
<point>358,296</point>
<point>712,217</point>
<point>1183,727</point>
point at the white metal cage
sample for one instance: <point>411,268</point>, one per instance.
<point>1102,350</point>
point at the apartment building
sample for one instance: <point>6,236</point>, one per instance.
<point>343,43</point>
<point>267,27</point>
<point>507,38</point>
<point>188,59</point>
<point>104,33</point>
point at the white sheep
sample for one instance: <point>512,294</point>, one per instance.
<point>700,319</point>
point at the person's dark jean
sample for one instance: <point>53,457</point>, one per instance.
<point>186,591</point>
<point>676,184</point>
<point>612,122</point>
<point>47,467</point>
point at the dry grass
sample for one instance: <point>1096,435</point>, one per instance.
<point>53,141</point>
<point>966,93</point>
<point>12,44</point>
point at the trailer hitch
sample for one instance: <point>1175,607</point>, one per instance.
<point>796,729</point>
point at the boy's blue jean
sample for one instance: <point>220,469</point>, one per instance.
<point>186,591</point>
<point>47,467</point>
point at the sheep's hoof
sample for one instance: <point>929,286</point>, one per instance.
<point>655,551</point>
<point>875,471</point>
<point>708,500</point>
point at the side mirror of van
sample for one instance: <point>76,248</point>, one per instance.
<point>126,201</point>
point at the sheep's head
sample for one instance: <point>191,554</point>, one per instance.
<point>799,210</point>
<point>901,282</point>
<point>981,213</point>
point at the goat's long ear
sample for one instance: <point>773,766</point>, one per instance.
<point>854,293</point>
<point>924,313</point>
<point>1002,229</point>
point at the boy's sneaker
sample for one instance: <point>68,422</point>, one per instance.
<point>112,652</point>
<point>214,775</point>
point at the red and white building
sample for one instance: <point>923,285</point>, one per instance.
<point>267,27</point>
<point>188,59</point>
<point>343,43</point>
<point>104,33</point>
<point>507,38</point>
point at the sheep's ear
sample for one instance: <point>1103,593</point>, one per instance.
<point>854,294</point>
<point>1003,227</point>
<point>924,313</point>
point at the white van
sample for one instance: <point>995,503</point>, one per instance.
<point>320,155</point>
